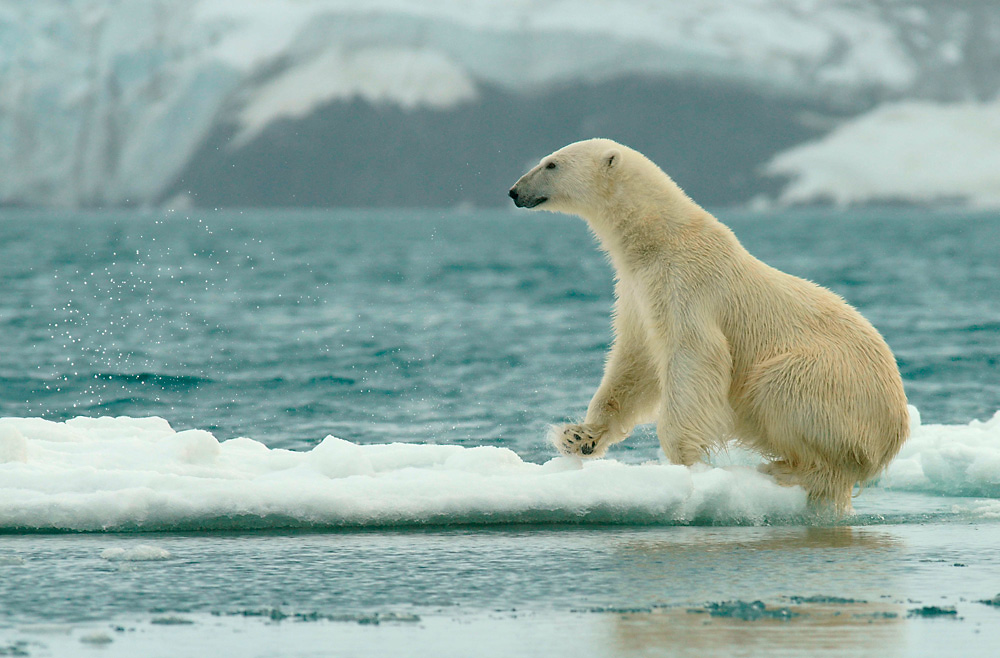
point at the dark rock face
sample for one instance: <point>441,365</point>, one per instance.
<point>713,139</point>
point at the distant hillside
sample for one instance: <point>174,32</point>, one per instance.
<point>402,102</point>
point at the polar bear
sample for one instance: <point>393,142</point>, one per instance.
<point>715,345</point>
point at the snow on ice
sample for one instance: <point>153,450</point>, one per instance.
<point>123,473</point>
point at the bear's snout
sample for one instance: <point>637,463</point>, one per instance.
<point>525,200</point>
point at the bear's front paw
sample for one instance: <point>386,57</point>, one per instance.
<point>580,440</point>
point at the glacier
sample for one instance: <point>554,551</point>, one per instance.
<point>122,102</point>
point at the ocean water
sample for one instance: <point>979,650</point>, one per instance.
<point>289,431</point>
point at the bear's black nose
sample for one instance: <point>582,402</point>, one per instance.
<point>513,194</point>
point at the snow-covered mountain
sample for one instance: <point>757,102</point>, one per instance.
<point>917,152</point>
<point>337,102</point>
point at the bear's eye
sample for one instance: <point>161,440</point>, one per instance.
<point>551,165</point>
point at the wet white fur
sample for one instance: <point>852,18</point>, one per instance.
<point>713,344</point>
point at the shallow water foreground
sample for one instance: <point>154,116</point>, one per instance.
<point>887,590</point>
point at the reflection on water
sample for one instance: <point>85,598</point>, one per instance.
<point>695,566</point>
<point>559,591</point>
<point>771,538</point>
<point>61,576</point>
<point>823,588</point>
<point>811,629</point>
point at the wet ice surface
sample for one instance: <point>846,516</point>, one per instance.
<point>622,591</point>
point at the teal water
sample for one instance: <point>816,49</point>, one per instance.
<point>471,328</point>
<point>468,328</point>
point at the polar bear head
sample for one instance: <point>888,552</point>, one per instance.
<point>575,179</point>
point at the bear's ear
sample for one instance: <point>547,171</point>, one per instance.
<point>612,158</point>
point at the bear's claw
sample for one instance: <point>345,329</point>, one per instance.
<point>578,440</point>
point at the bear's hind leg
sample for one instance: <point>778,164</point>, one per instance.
<point>782,471</point>
<point>827,488</point>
